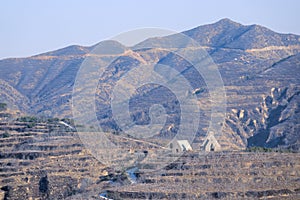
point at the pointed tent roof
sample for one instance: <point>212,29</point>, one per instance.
<point>184,144</point>
<point>210,141</point>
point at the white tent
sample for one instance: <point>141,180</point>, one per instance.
<point>210,144</point>
<point>178,146</point>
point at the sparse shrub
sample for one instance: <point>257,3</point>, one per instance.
<point>5,115</point>
<point>3,106</point>
<point>115,132</point>
<point>31,125</point>
<point>52,120</point>
<point>5,135</point>
<point>258,149</point>
<point>28,119</point>
<point>44,184</point>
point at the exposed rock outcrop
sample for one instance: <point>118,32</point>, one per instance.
<point>275,123</point>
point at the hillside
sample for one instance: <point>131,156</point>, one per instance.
<point>44,159</point>
<point>43,154</point>
<point>251,59</point>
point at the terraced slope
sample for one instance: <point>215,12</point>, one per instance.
<point>219,176</point>
<point>43,161</point>
<point>46,160</point>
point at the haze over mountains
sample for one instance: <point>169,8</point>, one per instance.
<point>260,70</point>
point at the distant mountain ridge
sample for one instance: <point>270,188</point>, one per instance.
<point>228,34</point>
<point>251,59</point>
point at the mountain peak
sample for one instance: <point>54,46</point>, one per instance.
<point>226,33</point>
<point>74,50</point>
<point>227,21</point>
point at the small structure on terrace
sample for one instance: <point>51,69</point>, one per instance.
<point>179,146</point>
<point>210,143</point>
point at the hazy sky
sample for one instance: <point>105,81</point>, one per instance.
<point>34,26</point>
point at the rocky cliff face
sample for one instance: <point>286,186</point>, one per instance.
<point>272,124</point>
